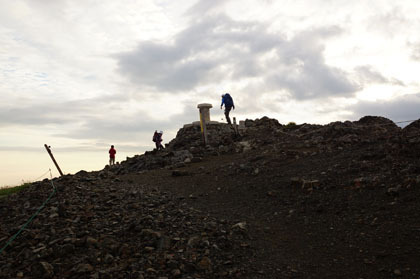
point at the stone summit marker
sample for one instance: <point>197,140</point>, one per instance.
<point>205,111</point>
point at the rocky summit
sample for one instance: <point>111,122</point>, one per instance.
<point>264,201</point>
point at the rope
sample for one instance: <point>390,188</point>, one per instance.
<point>38,178</point>
<point>41,176</point>
<point>30,219</point>
<point>404,121</point>
<point>359,126</point>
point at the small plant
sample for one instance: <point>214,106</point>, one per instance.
<point>291,124</point>
<point>10,190</point>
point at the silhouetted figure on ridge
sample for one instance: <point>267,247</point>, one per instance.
<point>112,153</point>
<point>228,102</point>
<point>157,138</point>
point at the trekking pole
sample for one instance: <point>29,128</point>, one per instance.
<point>52,158</point>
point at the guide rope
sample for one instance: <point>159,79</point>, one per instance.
<point>358,126</point>
<point>31,218</point>
<point>41,176</point>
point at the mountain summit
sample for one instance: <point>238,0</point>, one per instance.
<point>265,201</point>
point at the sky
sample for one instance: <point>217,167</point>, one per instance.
<point>82,75</point>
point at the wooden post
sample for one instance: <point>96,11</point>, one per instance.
<point>52,158</point>
<point>235,127</point>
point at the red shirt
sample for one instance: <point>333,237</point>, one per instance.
<point>112,152</point>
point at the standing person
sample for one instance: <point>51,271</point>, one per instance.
<point>157,138</point>
<point>112,153</point>
<point>228,102</point>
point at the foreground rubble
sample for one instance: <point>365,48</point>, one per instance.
<point>108,229</point>
<point>277,201</point>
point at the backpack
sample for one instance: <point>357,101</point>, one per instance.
<point>228,100</point>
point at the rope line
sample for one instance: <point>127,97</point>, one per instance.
<point>358,126</point>
<point>41,176</point>
<point>405,121</point>
<point>30,219</point>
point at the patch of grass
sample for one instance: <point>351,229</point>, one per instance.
<point>10,190</point>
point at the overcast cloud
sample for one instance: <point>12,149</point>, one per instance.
<point>402,108</point>
<point>86,73</point>
<point>219,49</point>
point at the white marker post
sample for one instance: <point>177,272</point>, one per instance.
<point>204,119</point>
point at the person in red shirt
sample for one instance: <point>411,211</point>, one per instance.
<point>112,153</point>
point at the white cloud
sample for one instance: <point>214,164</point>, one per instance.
<point>217,49</point>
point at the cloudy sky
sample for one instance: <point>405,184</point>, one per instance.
<point>82,75</point>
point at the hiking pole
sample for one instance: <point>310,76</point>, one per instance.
<point>52,158</point>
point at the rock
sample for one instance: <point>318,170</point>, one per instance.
<point>223,149</point>
<point>108,259</point>
<point>149,249</point>
<point>241,226</point>
<point>194,241</point>
<point>90,241</point>
<point>176,272</point>
<point>65,249</point>
<point>179,165</point>
<point>151,270</point>
<point>393,191</point>
<point>53,215</point>
<point>83,268</point>
<point>43,270</point>
<point>243,146</point>
<point>204,264</point>
<point>164,243</point>
<point>194,150</point>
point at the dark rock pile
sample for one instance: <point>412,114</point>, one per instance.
<point>190,136</point>
<point>274,201</point>
<point>411,139</point>
<point>371,149</point>
<point>185,148</point>
<point>103,228</point>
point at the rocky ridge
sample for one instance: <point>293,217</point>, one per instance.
<point>333,198</point>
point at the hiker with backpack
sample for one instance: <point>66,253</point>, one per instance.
<point>157,138</point>
<point>228,102</point>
